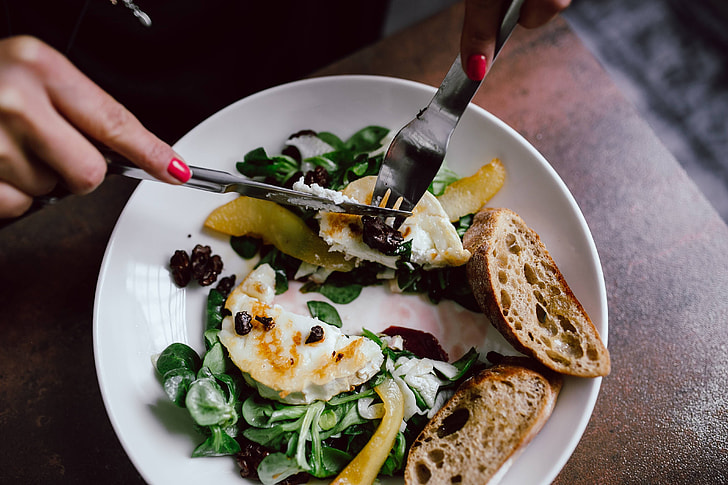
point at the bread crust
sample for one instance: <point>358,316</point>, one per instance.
<point>519,287</point>
<point>491,416</point>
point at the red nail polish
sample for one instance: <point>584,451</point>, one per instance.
<point>476,67</point>
<point>179,170</point>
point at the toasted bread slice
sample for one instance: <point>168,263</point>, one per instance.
<point>519,287</point>
<point>490,417</point>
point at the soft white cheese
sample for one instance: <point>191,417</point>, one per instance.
<point>333,195</point>
<point>278,361</point>
<point>435,242</point>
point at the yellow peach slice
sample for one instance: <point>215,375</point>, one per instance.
<point>278,226</point>
<point>469,194</point>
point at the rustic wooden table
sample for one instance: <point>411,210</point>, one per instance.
<point>661,416</point>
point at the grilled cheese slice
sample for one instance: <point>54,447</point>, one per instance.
<point>274,356</point>
<point>435,242</point>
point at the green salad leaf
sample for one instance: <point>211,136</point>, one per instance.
<point>214,313</point>
<point>246,246</point>
<point>324,312</point>
<point>443,178</point>
<point>218,443</point>
<point>257,164</point>
<point>276,467</point>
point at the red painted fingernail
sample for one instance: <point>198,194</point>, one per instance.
<point>179,170</point>
<point>477,64</point>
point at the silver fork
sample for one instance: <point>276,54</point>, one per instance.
<point>418,150</point>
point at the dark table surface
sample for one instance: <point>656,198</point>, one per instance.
<point>662,414</point>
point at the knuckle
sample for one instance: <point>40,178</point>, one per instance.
<point>16,208</point>
<point>20,57</point>
<point>44,185</point>
<point>13,101</point>
<point>155,156</point>
<point>24,50</point>
<point>89,178</point>
<point>113,120</point>
<point>13,203</point>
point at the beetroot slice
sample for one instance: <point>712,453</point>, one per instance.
<point>422,344</point>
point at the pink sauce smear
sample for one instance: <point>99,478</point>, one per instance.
<point>456,328</point>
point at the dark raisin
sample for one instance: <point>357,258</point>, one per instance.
<point>200,257</point>
<point>226,285</point>
<point>292,152</point>
<point>249,458</point>
<point>242,323</point>
<point>316,335</point>
<point>205,266</point>
<point>306,132</point>
<point>380,236</point>
<point>212,270</point>
<point>180,265</point>
<point>267,322</point>
<point>292,180</point>
<point>318,175</point>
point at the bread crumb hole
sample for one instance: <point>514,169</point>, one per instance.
<point>502,277</point>
<point>592,353</point>
<point>530,274</point>
<point>456,479</point>
<point>505,300</point>
<point>540,313</point>
<point>512,244</point>
<point>558,358</point>
<point>423,473</point>
<point>437,456</point>
<point>573,346</point>
<point>566,324</point>
<point>453,422</point>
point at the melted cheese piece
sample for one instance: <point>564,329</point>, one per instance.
<point>435,242</point>
<point>279,362</point>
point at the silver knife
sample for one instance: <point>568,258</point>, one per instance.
<point>224,182</point>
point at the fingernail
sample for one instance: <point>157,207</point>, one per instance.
<point>179,170</point>
<point>477,64</point>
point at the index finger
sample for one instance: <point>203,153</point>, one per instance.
<point>99,116</point>
<point>477,41</point>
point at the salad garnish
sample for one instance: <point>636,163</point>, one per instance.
<point>365,431</point>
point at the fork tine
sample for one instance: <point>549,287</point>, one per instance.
<point>411,162</point>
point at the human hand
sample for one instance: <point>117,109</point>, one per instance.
<point>480,28</point>
<point>49,111</point>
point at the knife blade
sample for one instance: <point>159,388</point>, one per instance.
<point>223,182</point>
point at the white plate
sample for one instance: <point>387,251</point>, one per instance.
<point>139,311</point>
